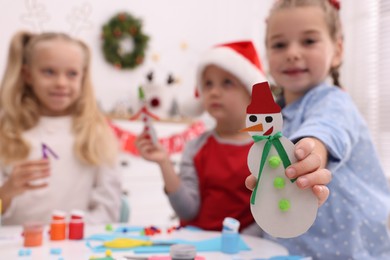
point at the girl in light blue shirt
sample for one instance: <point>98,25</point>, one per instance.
<point>304,46</point>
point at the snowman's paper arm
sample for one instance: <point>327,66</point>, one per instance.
<point>144,110</point>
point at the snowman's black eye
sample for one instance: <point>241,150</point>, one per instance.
<point>268,119</point>
<point>253,118</point>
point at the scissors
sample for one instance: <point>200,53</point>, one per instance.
<point>120,243</point>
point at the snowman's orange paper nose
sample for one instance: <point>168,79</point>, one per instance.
<point>254,128</point>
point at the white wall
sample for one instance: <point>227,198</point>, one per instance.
<point>169,23</point>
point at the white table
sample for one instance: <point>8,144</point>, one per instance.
<point>11,242</point>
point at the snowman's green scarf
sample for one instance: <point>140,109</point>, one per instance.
<point>271,140</point>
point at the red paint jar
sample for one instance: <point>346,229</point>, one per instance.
<point>76,225</point>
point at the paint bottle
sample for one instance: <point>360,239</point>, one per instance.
<point>33,234</point>
<point>230,236</point>
<point>58,226</point>
<point>76,225</point>
<point>182,252</point>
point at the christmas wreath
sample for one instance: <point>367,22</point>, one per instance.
<point>124,43</point>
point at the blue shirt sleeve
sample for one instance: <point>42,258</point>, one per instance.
<point>332,118</point>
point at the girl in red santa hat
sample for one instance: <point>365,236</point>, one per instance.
<point>214,167</point>
<point>304,46</point>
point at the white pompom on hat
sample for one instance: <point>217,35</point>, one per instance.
<point>238,58</point>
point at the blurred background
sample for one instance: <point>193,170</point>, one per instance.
<point>178,32</point>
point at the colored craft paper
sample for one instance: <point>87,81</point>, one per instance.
<point>206,245</point>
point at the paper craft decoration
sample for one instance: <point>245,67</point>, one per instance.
<point>172,144</point>
<point>46,151</point>
<point>146,117</point>
<point>45,155</point>
<point>279,207</point>
<point>161,91</point>
<point>132,242</point>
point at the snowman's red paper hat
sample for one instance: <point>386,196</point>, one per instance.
<point>262,101</point>
<point>238,58</point>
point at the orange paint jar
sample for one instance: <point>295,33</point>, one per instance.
<point>58,226</point>
<point>33,234</point>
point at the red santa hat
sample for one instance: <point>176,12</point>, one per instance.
<point>262,101</point>
<point>238,58</point>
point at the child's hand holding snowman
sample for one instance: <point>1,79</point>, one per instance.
<point>309,169</point>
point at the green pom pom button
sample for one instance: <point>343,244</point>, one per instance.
<point>279,183</point>
<point>274,161</point>
<point>284,205</point>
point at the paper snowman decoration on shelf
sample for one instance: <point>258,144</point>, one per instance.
<point>160,95</point>
<point>278,206</point>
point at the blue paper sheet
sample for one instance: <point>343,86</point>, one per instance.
<point>206,245</point>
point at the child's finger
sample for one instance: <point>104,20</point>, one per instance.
<point>36,187</point>
<point>309,164</point>
<point>36,175</point>
<point>36,168</point>
<point>319,177</point>
<point>33,163</point>
<point>146,147</point>
<point>142,142</point>
<point>303,148</point>
<point>322,193</point>
<point>23,178</point>
<point>140,137</point>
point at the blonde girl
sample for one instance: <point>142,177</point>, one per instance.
<point>47,99</point>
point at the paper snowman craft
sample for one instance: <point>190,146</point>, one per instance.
<point>160,95</point>
<point>278,206</point>
<point>146,117</point>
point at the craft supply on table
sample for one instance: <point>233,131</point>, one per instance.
<point>58,226</point>
<point>182,252</point>
<point>76,225</point>
<point>230,236</point>
<point>132,242</point>
<point>33,234</point>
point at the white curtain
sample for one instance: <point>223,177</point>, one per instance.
<point>366,67</point>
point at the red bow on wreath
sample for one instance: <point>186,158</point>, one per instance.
<point>335,3</point>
